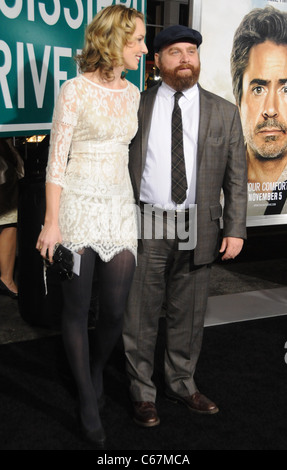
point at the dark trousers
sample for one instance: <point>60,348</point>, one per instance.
<point>165,273</point>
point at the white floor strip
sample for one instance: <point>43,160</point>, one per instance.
<point>246,306</point>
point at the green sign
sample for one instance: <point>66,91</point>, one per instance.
<point>38,43</point>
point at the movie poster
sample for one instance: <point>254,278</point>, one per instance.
<point>244,60</point>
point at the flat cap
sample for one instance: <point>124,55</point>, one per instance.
<point>176,33</point>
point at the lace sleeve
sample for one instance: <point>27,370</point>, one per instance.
<point>64,121</point>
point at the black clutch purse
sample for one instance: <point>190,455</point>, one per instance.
<point>63,262</point>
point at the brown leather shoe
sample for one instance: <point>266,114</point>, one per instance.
<point>196,402</point>
<point>145,414</point>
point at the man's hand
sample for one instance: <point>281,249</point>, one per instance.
<point>231,247</point>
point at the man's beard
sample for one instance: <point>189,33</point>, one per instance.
<point>177,81</point>
<point>269,149</point>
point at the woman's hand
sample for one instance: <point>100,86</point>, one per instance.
<point>49,236</point>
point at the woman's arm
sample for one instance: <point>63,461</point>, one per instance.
<point>50,234</point>
<point>64,122</point>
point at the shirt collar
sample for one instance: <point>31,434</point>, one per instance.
<point>167,92</point>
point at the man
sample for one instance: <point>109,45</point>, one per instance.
<point>169,269</point>
<point>259,75</point>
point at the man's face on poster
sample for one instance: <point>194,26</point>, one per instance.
<point>263,107</point>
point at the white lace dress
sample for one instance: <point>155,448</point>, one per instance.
<point>88,157</point>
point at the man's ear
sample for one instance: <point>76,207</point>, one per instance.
<point>156,59</point>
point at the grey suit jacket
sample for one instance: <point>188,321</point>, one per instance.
<point>221,164</point>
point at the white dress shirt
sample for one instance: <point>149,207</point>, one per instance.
<point>156,179</point>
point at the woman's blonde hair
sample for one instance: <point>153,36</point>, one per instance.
<point>105,38</point>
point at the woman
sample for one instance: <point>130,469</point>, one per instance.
<point>11,170</point>
<point>89,207</point>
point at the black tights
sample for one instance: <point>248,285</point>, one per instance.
<point>114,280</point>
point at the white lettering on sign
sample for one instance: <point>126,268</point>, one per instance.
<point>77,22</point>
<point>20,75</point>
<point>4,70</point>
<point>49,18</point>
<point>59,74</point>
<point>53,17</point>
<point>11,12</point>
<point>39,79</point>
<point>39,84</point>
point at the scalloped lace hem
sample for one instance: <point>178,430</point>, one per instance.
<point>105,253</point>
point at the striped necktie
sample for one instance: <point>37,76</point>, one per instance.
<point>179,183</point>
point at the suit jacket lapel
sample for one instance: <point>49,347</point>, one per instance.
<point>205,111</point>
<point>145,116</point>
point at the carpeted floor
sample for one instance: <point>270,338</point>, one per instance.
<point>242,367</point>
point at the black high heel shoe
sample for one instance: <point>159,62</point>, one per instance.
<point>4,290</point>
<point>96,437</point>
